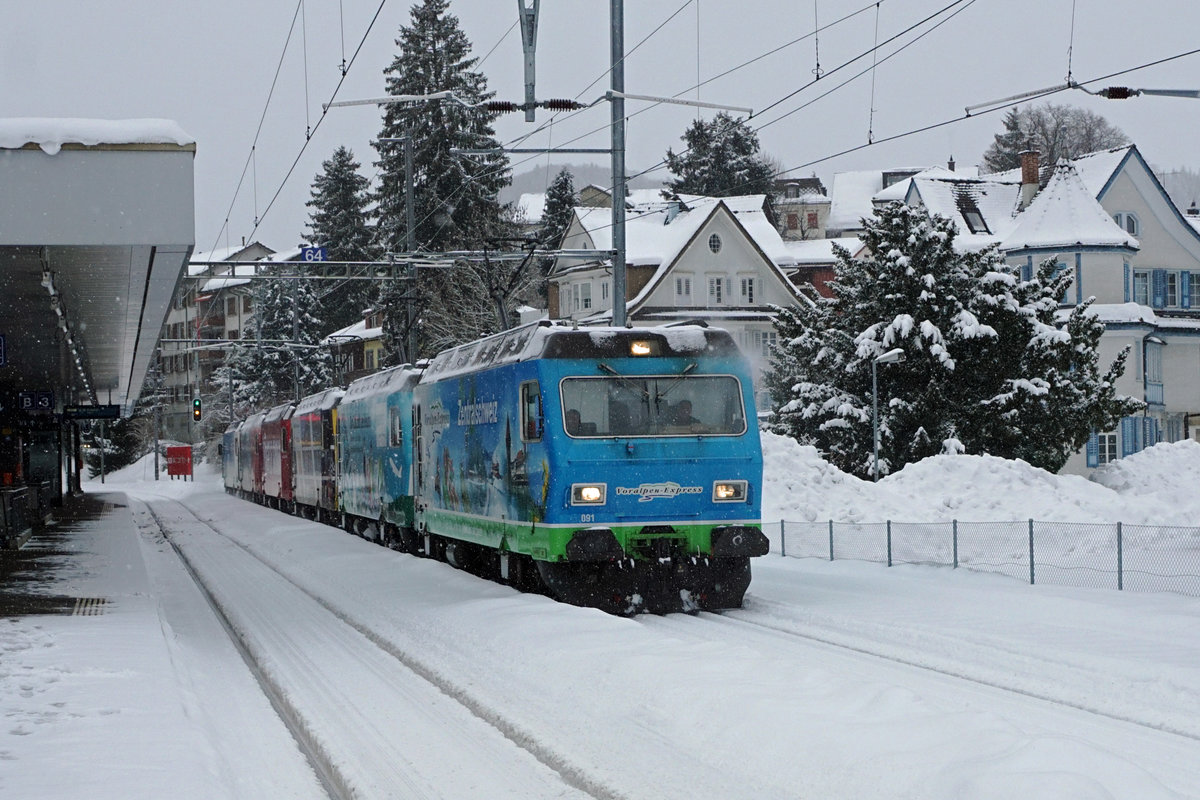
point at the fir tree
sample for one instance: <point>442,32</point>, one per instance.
<point>276,350</point>
<point>556,218</point>
<point>988,369</point>
<point>721,160</point>
<point>454,196</point>
<point>339,222</point>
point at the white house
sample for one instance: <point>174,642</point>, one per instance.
<point>720,260</point>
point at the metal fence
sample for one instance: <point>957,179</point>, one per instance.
<point>1144,558</point>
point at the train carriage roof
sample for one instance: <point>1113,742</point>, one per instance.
<point>279,412</point>
<point>544,339</point>
<point>321,401</point>
<point>390,380</point>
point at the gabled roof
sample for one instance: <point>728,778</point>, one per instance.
<point>851,196</point>
<point>1066,214</point>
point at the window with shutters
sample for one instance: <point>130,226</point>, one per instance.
<point>716,291</point>
<point>1141,287</point>
<point>1106,448</point>
<point>793,221</point>
<point>747,286</point>
<point>1193,293</point>
<point>812,220</point>
<point>683,290</point>
<point>1172,288</point>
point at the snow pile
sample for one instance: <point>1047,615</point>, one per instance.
<point>1155,486</point>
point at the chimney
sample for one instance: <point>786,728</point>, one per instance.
<point>950,164</point>
<point>1029,178</point>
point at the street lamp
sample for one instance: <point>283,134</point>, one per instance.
<point>890,357</point>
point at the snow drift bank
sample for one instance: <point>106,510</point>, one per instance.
<point>1156,486</point>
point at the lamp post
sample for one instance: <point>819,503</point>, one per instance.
<point>890,357</point>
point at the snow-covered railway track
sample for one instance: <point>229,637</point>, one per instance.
<point>373,719</point>
<point>1057,684</point>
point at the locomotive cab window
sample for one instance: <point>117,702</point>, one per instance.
<point>531,412</point>
<point>654,405</point>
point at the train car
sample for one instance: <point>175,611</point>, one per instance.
<point>277,457</point>
<point>229,458</point>
<point>314,457</point>
<point>250,461</point>
<point>374,426</point>
<point>618,468</point>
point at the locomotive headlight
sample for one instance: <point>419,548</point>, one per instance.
<point>587,494</point>
<point>729,491</point>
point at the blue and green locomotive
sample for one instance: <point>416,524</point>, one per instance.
<point>617,468</point>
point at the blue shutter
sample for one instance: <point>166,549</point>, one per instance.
<point>1159,300</point>
<point>1127,289</point>
<point>1185,289</point>
<point>1149,431</point>
<point>1129,428</point>
<point>1093,450</point>
<point>1078,278</point>
<point>1027,269</point>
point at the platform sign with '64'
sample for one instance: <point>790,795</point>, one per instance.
<point>314,254</point>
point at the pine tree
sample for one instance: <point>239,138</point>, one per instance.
<point>264,369</point>
<point>1055,131</point>
<point>455,201</point>
<point>721,160</point>
<point>988,369</point>
<point>454,195</point>
<point>556,218</point>
<point>339,222</point>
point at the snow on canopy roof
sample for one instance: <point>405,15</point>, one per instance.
<point>50,134</point>
<point>1066,214</point>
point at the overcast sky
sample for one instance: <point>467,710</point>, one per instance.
<point>210,65</point>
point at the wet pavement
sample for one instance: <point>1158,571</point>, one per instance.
<point>28,575</point>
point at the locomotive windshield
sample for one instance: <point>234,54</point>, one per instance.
<point>653,405</point>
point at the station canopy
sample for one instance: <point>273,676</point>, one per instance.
<point>96,226</point>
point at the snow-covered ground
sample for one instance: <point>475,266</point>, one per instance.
<point>407,678</point>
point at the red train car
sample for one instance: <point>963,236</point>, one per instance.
<point>277,457</point>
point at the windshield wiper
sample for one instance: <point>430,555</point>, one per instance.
<point>625,380</point>
<point>670,386</point>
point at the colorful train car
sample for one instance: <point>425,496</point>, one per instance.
<point>374,428</point>
<point>622,466</point>
<point>314,455</point>
<point>277,456</point>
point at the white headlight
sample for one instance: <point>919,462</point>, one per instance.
<point>729,491</point>
<point>587,494</point>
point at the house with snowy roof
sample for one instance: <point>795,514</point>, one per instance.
<point>1108,221</point>
<point>716,259</point>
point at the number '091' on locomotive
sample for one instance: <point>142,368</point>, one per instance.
<point>618,468</point>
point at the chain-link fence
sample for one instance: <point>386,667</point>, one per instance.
<point>1145,558</point>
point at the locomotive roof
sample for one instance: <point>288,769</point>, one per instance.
<point>321,401</point>
<point>388,380</point>
<point>547,340</point>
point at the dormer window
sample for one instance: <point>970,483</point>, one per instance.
<point>1128,222</point>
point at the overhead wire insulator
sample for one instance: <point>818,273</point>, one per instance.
<point>560,104</point>
<point>501,106</point>
<point>1118,92</point>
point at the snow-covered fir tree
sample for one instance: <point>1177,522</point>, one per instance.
<point>989,367</point>
<point>454,195</point>
<point>721,159</point>
<point>339,221</point>
<point>275,349</point>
